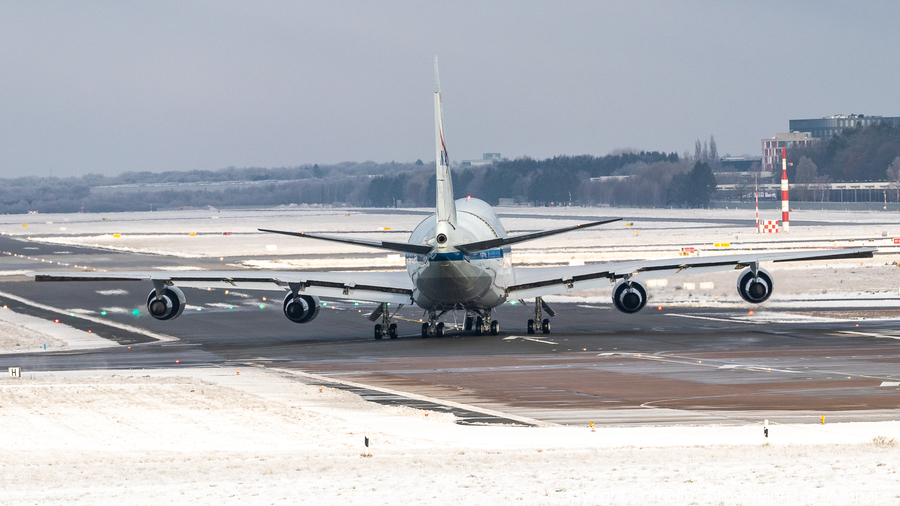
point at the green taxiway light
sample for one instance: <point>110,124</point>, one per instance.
<point>199,308</point>
<point>356,303</point>
<point>102,313</point>
<point>135,311</point>
<point>230,307</point>
<point>262,306</point>
<point>513,303</point>
<point>71,314</point>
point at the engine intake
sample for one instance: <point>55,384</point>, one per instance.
<point>168,306</point>
<point>302,309</point>
<point>629,296</point>
<point>755,289</point>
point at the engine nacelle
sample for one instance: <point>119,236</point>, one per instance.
<point>167,307</point>
<point>755,289</point>
<point>303,309</point>
<point>629,296</point>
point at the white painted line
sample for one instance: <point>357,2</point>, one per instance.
<point>868,334</point>
<point>890,384</point>
<point>434,400</point>
<point>136,330</point>
<point>529,339</point>
<point>729,320</point>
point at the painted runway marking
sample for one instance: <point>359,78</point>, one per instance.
<point>728,320</point>
<point>868,334</point>
<point>529,339</point>
<point>760,368</point>
<point>890,384</point>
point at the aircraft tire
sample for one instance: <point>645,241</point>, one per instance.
<point>495,328</point>
<point>439,329</point>
<point>531,326</point>
<point>479,326</point>
<point>545,326</point>
<point>424,330</point>
<point>379,332</point>
<point>468,323</point>
<point>392,331</point>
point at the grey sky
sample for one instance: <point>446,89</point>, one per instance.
<point>119,86</point>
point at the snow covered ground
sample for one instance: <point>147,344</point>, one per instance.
<point>213,436</point>
<point>264,436</point>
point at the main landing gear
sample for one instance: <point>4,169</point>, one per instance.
<point>538,322</point>
<point>385,327</point>
<point>480,322</point>
<point>433,327</point>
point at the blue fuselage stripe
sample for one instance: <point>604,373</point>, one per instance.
<point>459,255</point>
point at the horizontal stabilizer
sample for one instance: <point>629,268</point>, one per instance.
<point>402,247</point>
<point>474,247</point>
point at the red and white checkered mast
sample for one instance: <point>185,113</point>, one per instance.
<point>785,201</point>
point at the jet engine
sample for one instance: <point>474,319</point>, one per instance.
<point>302,309</point>
<point>629,296</point>
<point>167,307</point>
<point>755,289</point>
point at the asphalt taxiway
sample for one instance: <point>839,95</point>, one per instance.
<point>670,366</point>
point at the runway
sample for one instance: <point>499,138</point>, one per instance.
<point>677,365</point>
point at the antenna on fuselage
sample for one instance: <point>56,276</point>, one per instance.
<point>445,208</point>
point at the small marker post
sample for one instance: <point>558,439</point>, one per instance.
<point>766,428</point>
<point>823,419</point>
<point>592,427</point>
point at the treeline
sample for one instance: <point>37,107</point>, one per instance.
<point>643,179</point>
<point>856,154</point>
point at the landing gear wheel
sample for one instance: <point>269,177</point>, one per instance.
<point>439,330</point>
<point>479,326</point>
<point>379,332</point>
<point>545,326</point>
<point>392,331</point>
<point>495,328</point>
<point>424,330</point>
<point>468,323</point>
<point>531,326</point>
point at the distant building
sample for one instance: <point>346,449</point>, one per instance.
<point>823,128</point>
<point>739,163</point>
<point>486,159</point>
<point>771,148</point>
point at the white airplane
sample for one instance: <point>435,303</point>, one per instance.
<point>456,259</point>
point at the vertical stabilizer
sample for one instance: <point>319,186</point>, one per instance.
<point>445,207</point>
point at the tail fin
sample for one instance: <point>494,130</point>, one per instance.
<point>445,207</point>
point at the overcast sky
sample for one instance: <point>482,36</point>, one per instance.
<point>109,87</point>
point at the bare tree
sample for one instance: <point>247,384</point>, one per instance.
<point>705,154</point>
<point>698,150</point>
<point>713,152</point>
<point>807,176</point>
<point>893,175</point>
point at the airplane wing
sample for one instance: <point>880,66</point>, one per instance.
<point>542,281</point>
<point>474,247</point>
<point>402,247</point>
<point>394,287</point>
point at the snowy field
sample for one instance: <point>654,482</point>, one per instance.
<point>213,436</point>
<point>264,436</point>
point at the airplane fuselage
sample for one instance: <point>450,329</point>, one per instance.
<point>448,278</point>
